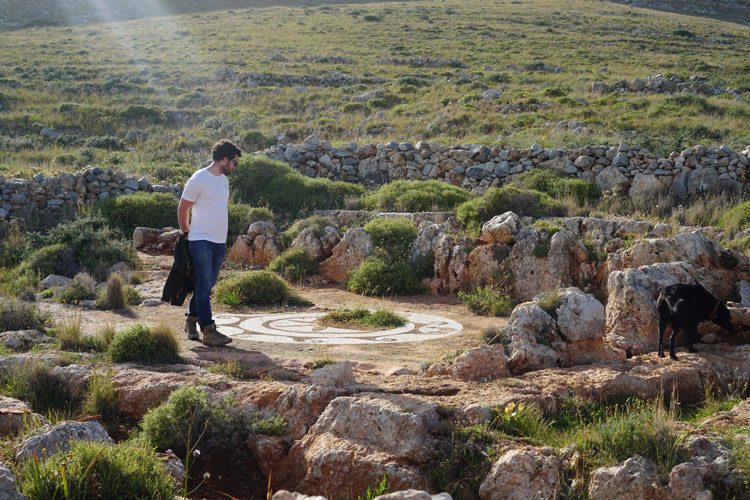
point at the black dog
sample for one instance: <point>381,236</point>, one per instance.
<point>684,306</point>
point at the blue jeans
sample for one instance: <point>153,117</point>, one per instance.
<point>207,258</point>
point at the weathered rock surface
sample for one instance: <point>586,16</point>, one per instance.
<point>480,364</point>
<point>23,340</point>
<point>8,486</point>
<point>260,245</point>
<point>501,228</point>
<point>635,479</point>
<point>48,440</point>
<point>521,474</point>
<point>15,415</point>
<point>348,254</point>
<point>362,438</point>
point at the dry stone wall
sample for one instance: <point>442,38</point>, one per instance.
<point>631,170</point>
<point>627,170</point>
<point>44,195</point>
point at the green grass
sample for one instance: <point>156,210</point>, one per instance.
<point>380,318</point>
<point>257,288</point>
<point>416,196</point>
<point>100,470</point>
<point>143,344</point>
<point>487,301</point>
<point>152,103</point>
<point>293,264</point>
<point>378,276</point>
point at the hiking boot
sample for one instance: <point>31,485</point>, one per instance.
<point>212,338</point>
<point>191,328</point>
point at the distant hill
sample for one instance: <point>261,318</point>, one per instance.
<point>19,14</point>
<point>737,11</point>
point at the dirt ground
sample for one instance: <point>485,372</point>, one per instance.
<point>382,357</point>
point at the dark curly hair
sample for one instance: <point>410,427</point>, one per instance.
<point>225,149</point>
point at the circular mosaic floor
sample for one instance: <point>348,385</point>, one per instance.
<point>303,328</point>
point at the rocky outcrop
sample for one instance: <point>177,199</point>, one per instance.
<point>521,474</point>
<point>659,84</point>
<point>480,363</point>
<point>259,246</point>
<point>16,415</point>
<point>363,438</point>
<point>317,244</point>
<point>48,440</point>
<point>561,328</point>
<point>636,479</point>
<point>347,255</point>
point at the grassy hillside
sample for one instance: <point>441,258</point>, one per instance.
<point>736,11</point>
<point>152,95</point>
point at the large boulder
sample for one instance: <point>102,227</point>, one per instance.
<point>15,415</point>
<point>523,474</point>
<point>348,254</point>
<point>8,486</point>
<point>528,333</point>
<point>644,186</point>
<point>611,179</point>
<point>260,245</point>
<point>485,262</point>
<point>632,322</point>
<point>480,364</point>
<point>23,340</point>
<point>318,245</point>
<point>451,264</point>
<point>635,479</point>
<point>501,228</point>
<point>48,440</point>
<point>541,262</point>
<point>363,438</point>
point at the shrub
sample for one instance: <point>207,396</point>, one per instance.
<point>98,470</point>
<point>273,426</point>
<point>54,259</point>
<point>82,288</point>
<point>113,296</point>
<point>524,202</point>
<point>416,196</point>
<point>94,244</point>
<point>255,141</point>
<point>521,420</point>
<point>141,344</point>
<point>125,213</point>
<point>261,181</point>
<point>110,142</point>
<point>558,185</point>
<point>14,244</point>
<point>189,419</point>
<point>379,319</point>
<point>736,218</point>
<point>101,399</point>
<point>259,288</point>
<point>16,315</point>
<point>293,264</point>
<point>140,113</point>
<point>487,301</point>
<point>377,276</point>
<point>393,236</point>
<point>354,107</point>
<point>36,384</point>
<point>241,216</point>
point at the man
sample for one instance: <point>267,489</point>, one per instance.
<point>206,196</point>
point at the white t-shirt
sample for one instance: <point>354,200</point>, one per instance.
<point>210,195</point>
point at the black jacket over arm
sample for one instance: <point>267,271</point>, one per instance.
<point>181,279</point>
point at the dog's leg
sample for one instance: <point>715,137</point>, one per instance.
<point>663,309</point>
<point>691,335</point>
<point>678,317</point>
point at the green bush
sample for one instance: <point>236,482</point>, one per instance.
<point>416,196</point>
<point>16,315</point>
<point>54,259</point>
<point>94,244</point>
<point>101,399</point>
<point>558,185</point>
<point>140,113</point>
<point>524,202</point>
<point>293,264</point>
<point>380,318</point>
<point>736,218</point>
<point>259,288</point>
<point>125,213</point>
<point>487,301</point>
<point>14,244</point>
<point>82,288</point>
<point>377,276</point>
<point>354,107</point>
<point>255,141</point>
<point>113,295</point>
<point>36,384</point>
<point>394,237</point>
<point>261,181</point>
<point>141,344</point>
<point>98,470</point>
<point>189,420</point>
<point>241,216</point>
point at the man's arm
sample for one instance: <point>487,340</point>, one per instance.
<point>183,215</point>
